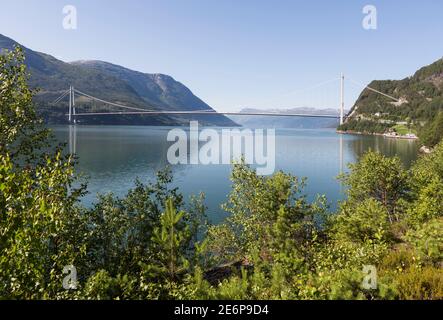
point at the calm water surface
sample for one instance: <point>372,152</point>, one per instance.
<point>112,157</point>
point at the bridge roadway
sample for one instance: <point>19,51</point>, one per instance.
<point>269,114</point>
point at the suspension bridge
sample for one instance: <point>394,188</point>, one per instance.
<point>121,109</point>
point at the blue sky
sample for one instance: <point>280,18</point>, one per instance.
<point>240,53</point>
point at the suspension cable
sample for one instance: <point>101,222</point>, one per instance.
<point>61,97</point>
<point>374,90</point>
<point>110,103</point>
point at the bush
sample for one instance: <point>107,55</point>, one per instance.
<point>381,178</point>
<point>420,284</point>
<point>428,240</point>
<point>365,221</point>
<point>432,133</point>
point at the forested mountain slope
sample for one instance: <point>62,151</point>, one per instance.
<point>419,106</point>
<point>110,82</point>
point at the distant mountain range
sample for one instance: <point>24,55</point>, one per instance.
<point>112,83</point>
<point>287,122</point>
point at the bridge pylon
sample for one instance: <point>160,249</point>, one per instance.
<point>72,112</point>
<point>70,105</point>
<point>342,98</point>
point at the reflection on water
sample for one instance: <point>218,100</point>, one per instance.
<point>406,150</point>
<point>114,156</point>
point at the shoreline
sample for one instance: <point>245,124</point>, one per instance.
<point>376,134</point>
<point>422,149</point>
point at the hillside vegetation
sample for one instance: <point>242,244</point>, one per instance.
<point>419,108</point>
<point>150,244</point>
<point>111,83</point>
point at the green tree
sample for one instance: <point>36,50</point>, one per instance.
<point>428,169</point>
<point>366,221</point>
<point>432,133</point>
<point>427,240</point>
<point>381,178</point>
<point>264,207</point>
<point>22,135</point>
<point>170,240</point>
<point>38,209</point>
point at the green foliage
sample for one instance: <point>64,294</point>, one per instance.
<point>269,215</point>
<point>101,286</point>
<point>426,180</point>
<point>145,239</point>
<point>342,285</point>
<point>420,284</point>
<point>399,260</point>
<point>427,169</point>
<point>421,106</point>
<point>362,222</point>
<point>432,133</point>
<point>429,203</point>
<point>378,177</point>
<point>21,135</point>
<point>150,245</point>
<point>364,126</point>
<point>120,230</point>
<point>427,240</point>
<point>38,213</point>
<point>170,239</point>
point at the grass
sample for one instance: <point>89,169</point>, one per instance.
<point>403,130</point>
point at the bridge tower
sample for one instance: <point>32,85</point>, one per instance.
<point>72,105</point>
<point>342,98</point>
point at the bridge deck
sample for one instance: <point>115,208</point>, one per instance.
<point>211,113</point>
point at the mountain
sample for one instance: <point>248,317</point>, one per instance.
<point>111,83</point>
<point>419,105</point>
<point>287,122</point>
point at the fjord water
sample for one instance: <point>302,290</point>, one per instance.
<point>112,157</point>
